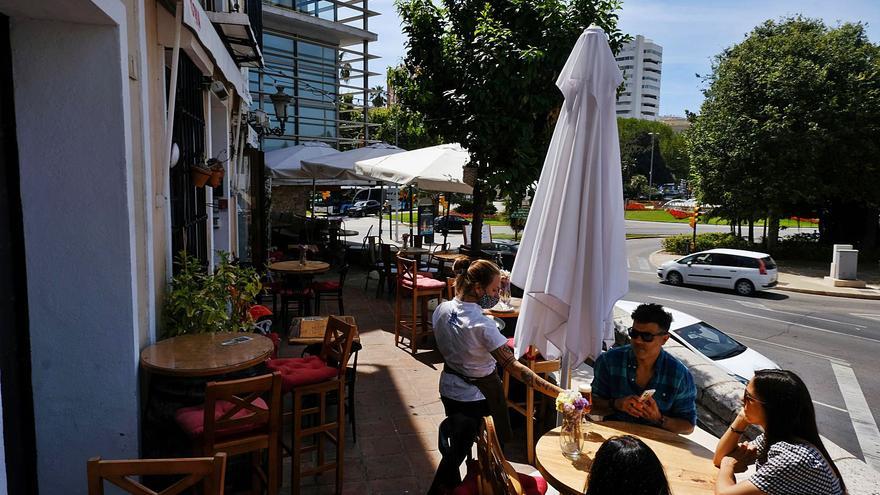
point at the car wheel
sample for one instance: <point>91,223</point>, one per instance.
<point>674,278</point>
<point>744,287</point>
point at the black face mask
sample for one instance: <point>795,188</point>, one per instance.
<point>488,301</point>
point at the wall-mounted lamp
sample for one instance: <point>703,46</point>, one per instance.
<point>260,120</point>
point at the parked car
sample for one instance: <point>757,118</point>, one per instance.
<point>450,223</point>
<point>743,271</point>
<point>361,208</point>
<point>727,353</point>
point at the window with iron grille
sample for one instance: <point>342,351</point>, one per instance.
<point>189,214</point>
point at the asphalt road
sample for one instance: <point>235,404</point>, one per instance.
<point>665,228</point>
<point>832,343</point>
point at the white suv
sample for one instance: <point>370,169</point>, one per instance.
<point>743,271</point>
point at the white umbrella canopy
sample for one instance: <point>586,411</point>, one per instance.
<point>284,165</point>
<point>571,263</point>
<point>340,166</point>
<point>435,168</point>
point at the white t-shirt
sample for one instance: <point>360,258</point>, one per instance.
<point>465,338</point>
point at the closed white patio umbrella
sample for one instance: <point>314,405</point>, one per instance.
<point>571,262</point>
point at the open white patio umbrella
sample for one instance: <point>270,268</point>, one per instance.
<point>284,166</point>
<point>340,166</point>
<point>571,263</point>
<point>435,168</point>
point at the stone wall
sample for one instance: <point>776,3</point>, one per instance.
<point>290,199</point>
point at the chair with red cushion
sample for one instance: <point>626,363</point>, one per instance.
<point>317,377</point>
<point>492,474</point>
<point>240,417</point>
<point>422,288</point>
<point>330,289</point>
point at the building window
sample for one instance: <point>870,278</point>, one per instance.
<point>646,95</point>
<point>650,114</point>
<point>323,9</point>
<point>625,67</point>
<point>655,71</point>
<point>652,105</point>
<point>622,112</point>
<point>652,61</point>
<point>621,59</point>
<point>649,78</point>
<point>653,52</point>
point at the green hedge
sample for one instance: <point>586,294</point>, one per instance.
<point>679,244</point>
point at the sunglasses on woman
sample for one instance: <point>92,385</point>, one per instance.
<point>747,397</point>
<point>645,336</point>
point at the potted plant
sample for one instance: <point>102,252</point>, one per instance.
<point>203,302</point>
<point>217,172</point>
<point>200,174</point>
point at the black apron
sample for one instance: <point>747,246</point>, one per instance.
<point>491,388</point>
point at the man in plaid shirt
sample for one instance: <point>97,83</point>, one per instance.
<point>621,375</point>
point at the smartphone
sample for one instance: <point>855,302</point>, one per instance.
<point>647,394</point>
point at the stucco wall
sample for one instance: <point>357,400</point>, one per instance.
<point>74,144</point>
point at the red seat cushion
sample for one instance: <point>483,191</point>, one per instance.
<point>192,419</point>
<point>531,485</point>
<point>258,311</point>
<point>424,283</point>
<point>301,371</point>
<point>328,286</point>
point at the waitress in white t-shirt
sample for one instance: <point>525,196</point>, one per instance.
<point>472,348</point>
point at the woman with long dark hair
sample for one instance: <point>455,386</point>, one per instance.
<point>790,457</point>
<point>625,464</point>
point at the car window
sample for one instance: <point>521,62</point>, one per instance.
<point>710,341</point>
<point>747,262</point>
<point>703,259</point>
<point>725,260</point>
<point>686,259</point>
<point>769,263</point>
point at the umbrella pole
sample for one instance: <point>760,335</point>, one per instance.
<point>381,206</point>
<point>564,378</point>
<point>411,242</point>
<point>446,230</point>
<point>313,199</point>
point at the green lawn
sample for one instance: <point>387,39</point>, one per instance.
<point>664,216</point>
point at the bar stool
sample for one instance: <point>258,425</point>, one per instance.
<point>533,360</point>
<point>422,288</point>
<point>316,377</point>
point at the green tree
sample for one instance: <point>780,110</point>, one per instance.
<point>790,124</point>
<point>670,150</point>
<point>401,127</point>
<point>483,73</point>
<point>377,96</point>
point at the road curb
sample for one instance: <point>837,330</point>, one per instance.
<point>819,292</point>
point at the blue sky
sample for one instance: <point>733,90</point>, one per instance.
<point>691,32</point>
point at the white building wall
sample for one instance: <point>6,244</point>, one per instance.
<point>641,62</point>
<point>74,141</point>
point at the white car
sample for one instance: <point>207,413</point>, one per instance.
<point>734,358</point>
<point>743,271</point>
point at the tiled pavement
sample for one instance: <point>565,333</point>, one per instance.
<point>397,402</point>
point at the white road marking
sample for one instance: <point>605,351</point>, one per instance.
<point>643,264</point>
<point>755,305</point>
<point>803,351</point>
<point>870,316</point>
<point>860,414</point>
<point>627,263</point>
<point>716,308</point>
<point>640,271</point>
<point>829,406</point>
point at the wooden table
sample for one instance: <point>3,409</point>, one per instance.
<point>203,355</point>
<point>688,465</point>
<point>312,328</point>
<point>295,268</point>
<point>516,302</point>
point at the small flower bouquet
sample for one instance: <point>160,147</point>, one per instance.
<point>303,249</point>
<point>573,406</point>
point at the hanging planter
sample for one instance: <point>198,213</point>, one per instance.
<point>217,172</point>
<point>200,175</point>
<point>469,175</point>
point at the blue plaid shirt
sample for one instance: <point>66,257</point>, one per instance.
<point>614,376</point>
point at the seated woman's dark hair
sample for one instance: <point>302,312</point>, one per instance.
<point>789,410</point>
<point>469,274</point>
<point>625,464</point>
<point>653,313</point>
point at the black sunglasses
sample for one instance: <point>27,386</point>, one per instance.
<point>645,336</point>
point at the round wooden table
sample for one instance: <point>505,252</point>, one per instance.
<point>204,355</point>
<point>688,465</point>
<point>515,303</point>
<point>295,268</point>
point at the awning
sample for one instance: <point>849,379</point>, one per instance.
<point>235,28</point>
<point>195,17</point>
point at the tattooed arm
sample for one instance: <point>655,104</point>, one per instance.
<point>506,359</point>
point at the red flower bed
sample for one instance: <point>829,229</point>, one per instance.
<point>632,205</point>
<point>802,219</point>
<point>678,214</point>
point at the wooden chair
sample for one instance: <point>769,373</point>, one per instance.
<point>240,417</point>
<point>388,268</point>
<point>422,288</point>
<point>330,289</point>
<point>433,264</point>
<point>496,475</point>
<point>533,360</point>
<point>209,472</point>
<point>450,288</point>
<point>307,378</point>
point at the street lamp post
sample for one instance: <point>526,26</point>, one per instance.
<point>651,170</point>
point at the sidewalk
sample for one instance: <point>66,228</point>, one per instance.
<point>808,280</point>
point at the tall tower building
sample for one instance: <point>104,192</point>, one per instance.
<point>641,62</point>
